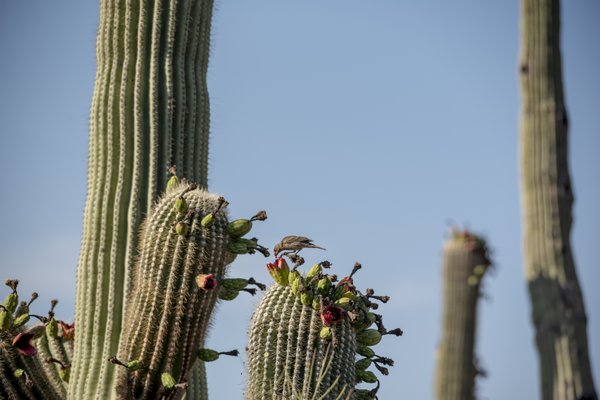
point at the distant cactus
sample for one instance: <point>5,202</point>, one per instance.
<point>305,336</point>
<point>466,261</point>
<point>558,311</point>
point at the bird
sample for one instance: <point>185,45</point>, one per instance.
<point>295,244</point>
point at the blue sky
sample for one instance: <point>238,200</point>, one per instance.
<point>364,125</point>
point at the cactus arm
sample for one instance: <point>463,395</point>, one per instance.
<point>456,369</point>
<point>285,352</point>
<point>149,110</point>
<point>558,311</point>
<point>198,387</point>
<point>169,314</point>
<point>45,351</point>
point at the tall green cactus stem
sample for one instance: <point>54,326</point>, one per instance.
<point>150,110</point>
<point>464,265</point>
<point>198,387</point>
<point>167,313</point>
<point>283,344</point>
<point>557,303</point>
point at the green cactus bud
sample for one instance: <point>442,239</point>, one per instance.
<point>52,328</point>
<point>280,271</point>
<point>207,220</point>
<point>472,280</point>
<point>294,276</point>
<point>344,303</point>
<point>208,355</point>
<point>363,364</point>
<point>18,373</point>
<point>239,227</point>
<point>314,271</point>
<point>323,286</point>
<point>11,302</point>
<point>182,228</point>
<point>5,320</point>
<point>65,374</point>
<point>22,309</point>
<point>316,304</point>
<point>167,380</point>
<point>369,337</point>
<point>181,206</point>
<point>237,247</point>
<point>296,284</point>
<point>228,294</point>
<point>364,350</point>
<point>479,270</point>
<point>326,333</point>
<point>306,297</point>
<point>351,296</point>
<point>134,365</point>
<point>366,376</point>
<point>21,320</point>
<point>172,183</point>
<point>234,283</point>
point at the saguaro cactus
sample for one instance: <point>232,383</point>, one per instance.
<point>465,263</point>
<point>306,333</point>
<point>150,110</point>
<point>557,304</point>
<point>168,314</point>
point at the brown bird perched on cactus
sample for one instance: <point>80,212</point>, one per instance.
<point>295,244</point>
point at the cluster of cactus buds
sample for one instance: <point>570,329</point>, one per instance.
<point>240,227</point>
<point>337,301</point>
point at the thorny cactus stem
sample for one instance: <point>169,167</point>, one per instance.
<point>150,110</point>
<point>558,310</point>
<point>284,343</point>
<point>167,313</point>
<point>465,263</point>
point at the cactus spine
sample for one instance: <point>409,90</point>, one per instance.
<point>557,304</point>
<point>168,314</point>
<point>465,263</point>
<point>149,110</point>
<point>284,342</point>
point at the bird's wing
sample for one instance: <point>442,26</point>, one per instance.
<point>292,239</point>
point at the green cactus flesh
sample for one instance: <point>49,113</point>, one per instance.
<point>150,110</point>
<point>167,313</point>
<point>465,262</point>
<point>285,351</point>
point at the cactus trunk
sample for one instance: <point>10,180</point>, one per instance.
<point>465,262</point>
<point>557,304</point>
<point>150,110</point>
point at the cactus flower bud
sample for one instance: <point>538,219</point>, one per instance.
<point>306,297</point>
<point>134,365</point>
<point>369,337</point>
<point>167,380</point>
<point>206,281</point>
<point>228,294</point>
<point>22,309</point>
<point>297,284</point>
<point>11,302</point>
<point>172,183</point>
<point>366,376</point>
<point>280,271</point>
<point>323,286</point>
<point>18,373</point>
<point>363,364</point>
<point>52,328</point>
<point>345,303</point>
<point>293,276</point>
<point>21,320</point>
<point>479,270</point>
<point>5,320</point>
<point>234,283</point>
<point>181,206</point>
<point>207,220</point>
<point>239,227</point>
<point>65,374</point>
<point>22,342</point>
<point>314,271</point>
<point>316,304</point>
<point>182,228</point>
<point>208,355</point>
<point>473,280</point>
<point>326,333</point>
<point>332,315</point>
<point>364,350</point>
